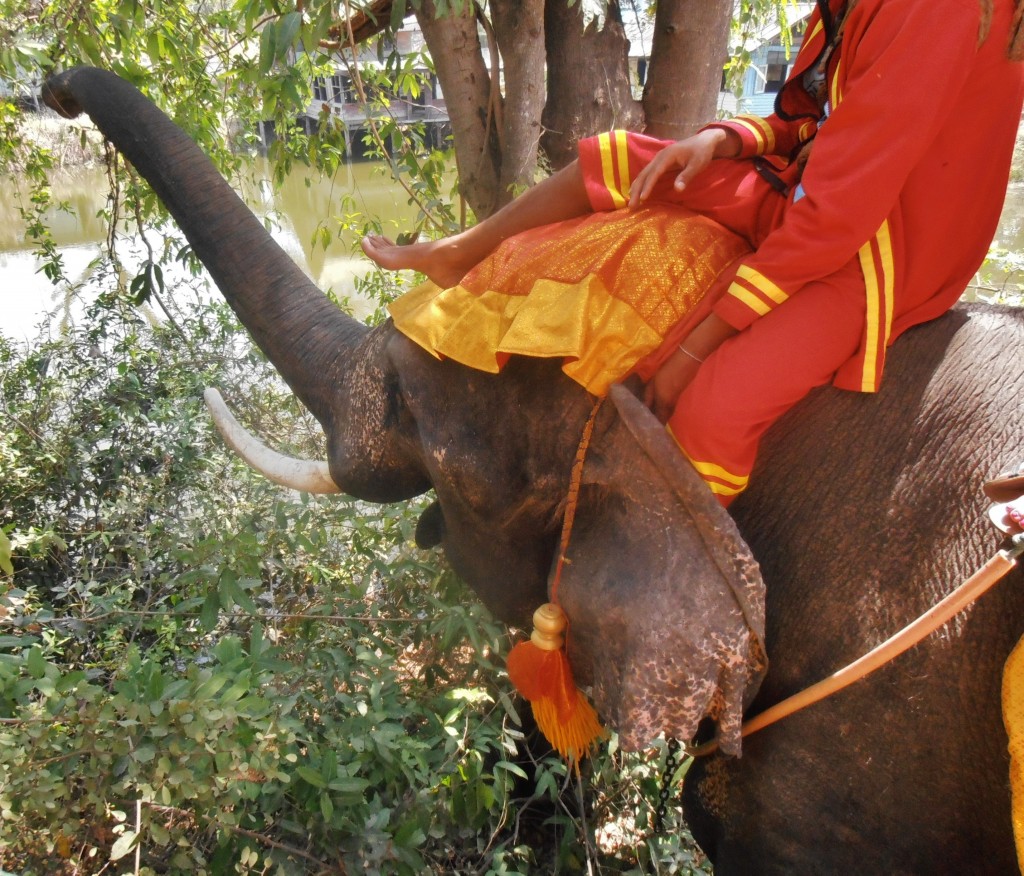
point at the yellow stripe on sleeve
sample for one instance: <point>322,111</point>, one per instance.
<point>766,130</point>
<point>608,169</point>
<point>867,265</point>
<point>743,294</point>
<point>756,131</point>
<point>762,284</point>
<point>625,180</point>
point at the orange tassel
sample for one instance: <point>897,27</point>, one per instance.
<point>539,668</point>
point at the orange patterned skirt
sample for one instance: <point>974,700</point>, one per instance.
<point>601,292</point>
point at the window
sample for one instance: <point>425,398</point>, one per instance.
<point>337,88</point>
<point>320,89</point>
<point>776,68</point>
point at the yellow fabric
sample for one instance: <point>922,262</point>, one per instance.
<point>600,291</point>
<point>1013,720</point>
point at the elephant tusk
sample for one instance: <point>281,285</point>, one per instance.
<point>305,475</point>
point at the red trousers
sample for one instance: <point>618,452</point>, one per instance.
<point>756,376</point>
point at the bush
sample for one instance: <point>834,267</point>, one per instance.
<point>203,673</point>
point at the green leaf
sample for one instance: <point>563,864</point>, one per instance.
<point>5,554</point>
<point>210,687</point>
<point>326,806</point>
<point>36,663</point>
<point>17,641</point>
<point>124,844</point>
<point>153,45</point>
<point>287,30</point>
<point>268,47</point>
<point>312,776</point>
<point>209,612</point>
<point>510,708</point>
<point>92,51</point>
<point>350,785</point>
<point>144,753</point>
<point>229,586</point>
<point>410,835</point>
<point>397,14</point>
<point>511,767</point>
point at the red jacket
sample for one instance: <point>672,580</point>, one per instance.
<point>907,173</point>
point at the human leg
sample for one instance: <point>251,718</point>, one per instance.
<point>598,180</point>
<point>729,192</point>
<point>558,197</point>
<point>758,375</point>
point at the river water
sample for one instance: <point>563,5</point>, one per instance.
<point>30,303</point>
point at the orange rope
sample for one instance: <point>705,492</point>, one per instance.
<point>572,499</point>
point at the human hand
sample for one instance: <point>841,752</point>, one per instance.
<point>663,390</point>
<point>689,157</point>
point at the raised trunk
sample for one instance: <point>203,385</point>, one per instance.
<point>334,364</point>
<point>291,320</point>
<point>588,79</point>
<point>519,31</point>
<point>685,76</point>
<point>470,99</point>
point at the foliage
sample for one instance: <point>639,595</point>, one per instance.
<point>201,672</point>
<point>1000,279</point>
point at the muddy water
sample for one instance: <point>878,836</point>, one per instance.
<point>293,213</point>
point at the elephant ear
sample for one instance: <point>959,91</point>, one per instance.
<point>664,599</point>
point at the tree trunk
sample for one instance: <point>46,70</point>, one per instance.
<point>455,47</point>
<point>690,49</point>
<point>519,32</point>
<point>588,79</point>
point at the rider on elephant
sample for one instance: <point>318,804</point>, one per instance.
<point>896,123</point>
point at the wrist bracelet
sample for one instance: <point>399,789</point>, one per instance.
<point>696,359</point>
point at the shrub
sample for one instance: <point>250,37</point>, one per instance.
<point>201,672</point>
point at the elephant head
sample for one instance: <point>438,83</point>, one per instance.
<point>663,597</point>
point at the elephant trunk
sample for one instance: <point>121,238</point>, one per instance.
<point>307,338</point>
<point>335,365</point>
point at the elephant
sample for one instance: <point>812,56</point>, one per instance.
<point>863,512</point>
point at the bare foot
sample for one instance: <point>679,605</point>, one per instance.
<point>443,261</point>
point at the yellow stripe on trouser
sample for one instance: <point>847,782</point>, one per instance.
<point>713,473</point>
<point>879,298</point>
<point>608,169</point>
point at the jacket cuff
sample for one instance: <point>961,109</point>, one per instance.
<point>749,296</point>
<point>756,135</point>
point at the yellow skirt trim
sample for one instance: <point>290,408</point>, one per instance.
<point>600,292</point>
<point>1013,720</point>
